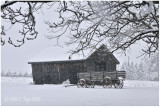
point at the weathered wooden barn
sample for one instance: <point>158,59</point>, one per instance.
<point>56,71</point>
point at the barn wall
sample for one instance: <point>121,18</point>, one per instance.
<point>75,68</point>
<point>90,65</point>
<point>50,73</point>
<point>37,73</point>
<point>69,71</point>
<point>56,73</point>
<point>98,59</point>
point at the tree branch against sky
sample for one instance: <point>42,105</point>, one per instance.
<point>119,24</point>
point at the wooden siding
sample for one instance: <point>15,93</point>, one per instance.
<point>37,73</point>
<point>56,72</point>
<point>98,76</point>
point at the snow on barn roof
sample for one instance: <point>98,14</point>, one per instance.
<point>52,54</point>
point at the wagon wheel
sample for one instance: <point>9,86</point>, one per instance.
<point>118,84</point>
<point>107,83</point>
<point>81,83</point>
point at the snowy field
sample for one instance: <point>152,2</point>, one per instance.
<point>21,91</point>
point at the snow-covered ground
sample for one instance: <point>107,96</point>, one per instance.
<point>21,91</point>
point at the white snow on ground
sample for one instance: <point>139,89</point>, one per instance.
<point>21,91</point>
<point>136,83</point>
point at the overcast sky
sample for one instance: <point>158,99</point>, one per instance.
<point>16,58</point>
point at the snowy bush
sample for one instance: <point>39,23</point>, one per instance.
<point>8,74</point>
<point>15,74</point>
<point>2,73</point>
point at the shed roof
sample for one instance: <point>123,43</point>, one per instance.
<point>51,54</point>
<point>58,54</point>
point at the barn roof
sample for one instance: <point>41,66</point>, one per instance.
<point>57,54</point>
<point>52,54</point>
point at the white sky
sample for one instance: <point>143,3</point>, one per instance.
<point>16,58</point>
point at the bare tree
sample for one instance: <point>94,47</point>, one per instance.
<point>17,16</point>
<point>91,23</point>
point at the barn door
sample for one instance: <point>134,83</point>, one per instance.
<point>73,73</point>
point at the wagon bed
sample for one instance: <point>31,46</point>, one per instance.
<point>103,77</point>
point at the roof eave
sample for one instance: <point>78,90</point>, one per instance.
<point>34,62</point>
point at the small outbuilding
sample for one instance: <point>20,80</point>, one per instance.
<point>53,67</point>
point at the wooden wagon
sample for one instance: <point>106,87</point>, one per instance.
<point>106,79</point>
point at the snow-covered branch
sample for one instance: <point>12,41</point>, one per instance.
<point>91,23</point>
